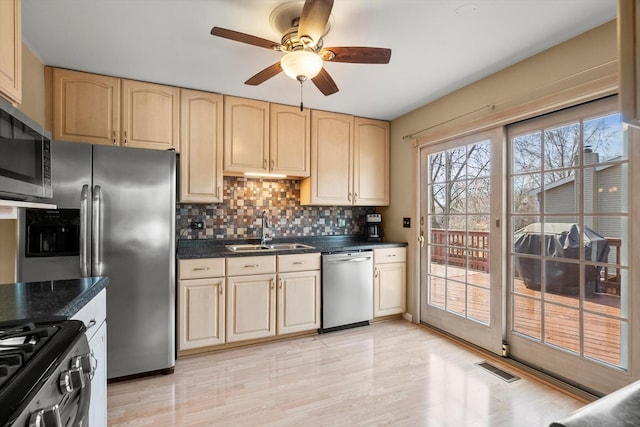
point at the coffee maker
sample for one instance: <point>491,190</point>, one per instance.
<point>373,227</point>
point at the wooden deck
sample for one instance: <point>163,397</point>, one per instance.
<point>561,313</point>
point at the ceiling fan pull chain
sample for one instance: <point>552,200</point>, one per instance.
<point>301,106</point>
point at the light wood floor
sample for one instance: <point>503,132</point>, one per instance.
<point>389,373</point>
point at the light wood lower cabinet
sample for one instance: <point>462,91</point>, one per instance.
<point>389,283</point>
<point>251,297</point>
<point>298,293</point>
<point>258,297</point>
<point>201,303</point>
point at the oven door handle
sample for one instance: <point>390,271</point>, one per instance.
<point>96,234</point>
<point>85,254</point>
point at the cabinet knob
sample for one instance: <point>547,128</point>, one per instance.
<point>264,163</point>
<point>201,269</point>
<point>114,138</point>
<point>252,266</point>
<point>125,137</point>
<point>273,165</point>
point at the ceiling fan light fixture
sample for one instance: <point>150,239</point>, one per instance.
<point>301,64</point>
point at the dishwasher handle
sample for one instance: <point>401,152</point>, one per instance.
<point>351,257</point>
<point>360,259</point>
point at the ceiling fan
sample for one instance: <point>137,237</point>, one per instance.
<point>302,45</point>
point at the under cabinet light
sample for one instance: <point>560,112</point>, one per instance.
<point>264,175</point>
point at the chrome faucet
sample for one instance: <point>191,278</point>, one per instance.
<point>264,230</point>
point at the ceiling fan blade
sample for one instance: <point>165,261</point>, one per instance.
<point>264,75</point>
<point>314,18</point>
<point>325,83</point>
<point>243,38</point>
<point>358,55</point>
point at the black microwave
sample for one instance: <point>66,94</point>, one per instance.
<point>25,156</point>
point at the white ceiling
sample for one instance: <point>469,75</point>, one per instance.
<point>435,49</point>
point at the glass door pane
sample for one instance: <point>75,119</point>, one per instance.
<point>569,238</point>
<point>460,292</point>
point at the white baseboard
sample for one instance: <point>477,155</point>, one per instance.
<point>407,316</point>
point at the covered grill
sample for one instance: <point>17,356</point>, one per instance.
<point>561,241</point>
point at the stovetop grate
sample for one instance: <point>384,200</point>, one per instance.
<point>18,344</point>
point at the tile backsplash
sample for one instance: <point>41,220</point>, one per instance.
<point>244,199</point>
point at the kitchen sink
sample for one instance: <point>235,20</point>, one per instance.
<point>289,246</point>
<point>273,247</point>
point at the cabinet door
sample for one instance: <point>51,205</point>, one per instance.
<point>289,143</point>
<point>298,301</point>
<point>85,107</point>
<point>251,307</point>
<point>246,135</point>
<point>200,147</point>
<point>201,313</point>
<point>330,182</point>
<point>389,289</point>
<point>98,403</point>
<point>371,163</point>
<point>11,49</point>
<point>150,115</point>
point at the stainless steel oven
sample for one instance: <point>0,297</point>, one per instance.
<point>25,156</point>
<point>46,370</point>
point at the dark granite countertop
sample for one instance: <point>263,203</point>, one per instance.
<point>48,300</point>
<point>210,248</point>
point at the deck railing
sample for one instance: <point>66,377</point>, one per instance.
<point>453,247</point>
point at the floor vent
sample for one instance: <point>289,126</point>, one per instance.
<point>506,376</point>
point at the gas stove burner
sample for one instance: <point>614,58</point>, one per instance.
<point>18,343</point>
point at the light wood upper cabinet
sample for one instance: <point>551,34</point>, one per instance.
<point>629,60</point>
<point>84,107</point>
<point>349,161</point>
<point>150,115</point>
<point>11,49</point>
<point>98,109</point>
<point>289,142</point>
<point>371,162</point>
<point>246,135</point>
<point>330,182</point>
<point>265,138</point>
<point>201,118</point>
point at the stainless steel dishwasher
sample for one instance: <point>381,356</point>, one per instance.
<point>347,290</point>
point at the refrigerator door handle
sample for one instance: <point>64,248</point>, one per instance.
<point>85,254</point>
<point>95,231</point>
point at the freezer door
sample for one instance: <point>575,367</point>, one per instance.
<point>71,170</point>
<point>137,252</point>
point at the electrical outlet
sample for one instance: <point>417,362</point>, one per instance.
<point>197,225</point>
<point>342,222</point>
<point>406,222</point>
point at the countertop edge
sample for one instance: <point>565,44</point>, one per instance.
<point>218,250</point>
<point>83,299</point>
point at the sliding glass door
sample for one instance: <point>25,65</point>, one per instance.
<point>461,272</point>
<point>569,245</point>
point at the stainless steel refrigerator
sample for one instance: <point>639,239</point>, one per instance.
<point>125,199</point>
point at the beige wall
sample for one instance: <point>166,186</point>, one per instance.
<point>561,72</point>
